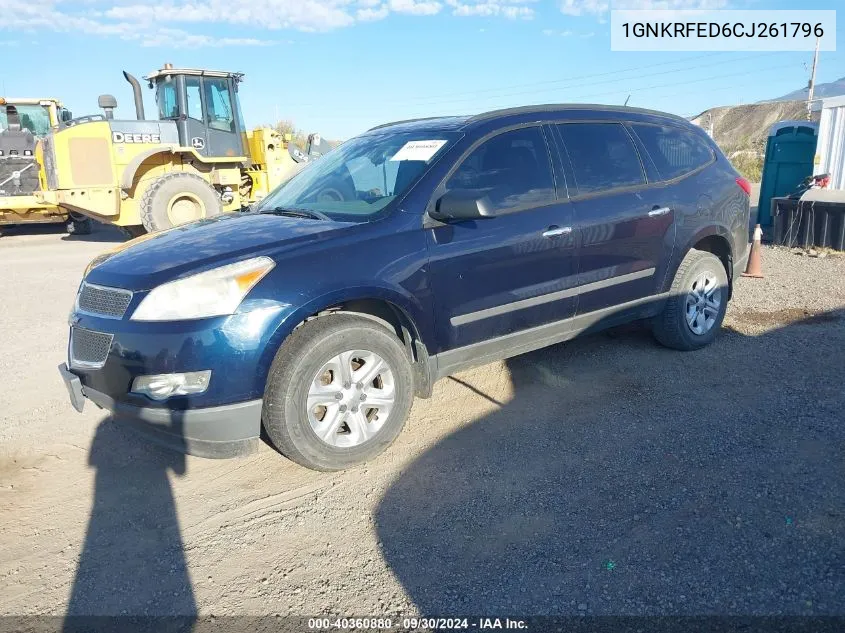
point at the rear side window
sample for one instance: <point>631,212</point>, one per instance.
<point>512,167</point>
<point>602,155</point>
<point>675,152</point>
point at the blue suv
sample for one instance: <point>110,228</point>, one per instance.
<point>415,250</point>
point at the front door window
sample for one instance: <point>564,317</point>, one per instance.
<point>219,102</point>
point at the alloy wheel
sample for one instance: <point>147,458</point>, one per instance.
<point>704,302</point>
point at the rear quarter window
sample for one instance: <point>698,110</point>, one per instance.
<point>674,151</point>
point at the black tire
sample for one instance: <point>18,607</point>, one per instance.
<point>165,189</point>
<point>79,225</point>
<point>134,231</point>
<point>670,327</point>
<point>310,347</point>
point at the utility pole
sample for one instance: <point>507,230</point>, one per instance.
<point>812,85</point>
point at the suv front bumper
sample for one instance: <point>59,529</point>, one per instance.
<point>223,431</point>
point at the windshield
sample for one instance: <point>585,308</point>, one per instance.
<point>361,177</point>
<point>35,118</point>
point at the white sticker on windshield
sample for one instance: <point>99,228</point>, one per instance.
<point>418,150</point>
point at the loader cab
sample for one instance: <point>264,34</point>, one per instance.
<point>205,106</point>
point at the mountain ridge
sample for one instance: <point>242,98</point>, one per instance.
<point>834,88</point>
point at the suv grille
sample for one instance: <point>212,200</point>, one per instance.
<point>89,349</point>
<point>101,301</point>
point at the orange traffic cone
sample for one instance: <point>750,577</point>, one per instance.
<point>755,259</point>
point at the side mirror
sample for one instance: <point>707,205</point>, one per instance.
<point>66,115</point>
<point>463,204</point>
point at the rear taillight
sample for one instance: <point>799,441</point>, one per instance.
<point>744,185</point>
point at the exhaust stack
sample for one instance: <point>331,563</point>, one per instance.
<point>139,99</point>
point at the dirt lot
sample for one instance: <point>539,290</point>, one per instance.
<point>604,476</point>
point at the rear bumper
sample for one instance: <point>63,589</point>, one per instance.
<point>218,432</point>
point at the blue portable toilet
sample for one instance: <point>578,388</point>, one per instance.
<point>790,150</point>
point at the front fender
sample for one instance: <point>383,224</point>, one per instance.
<point>290,319</point>
<point>127,178</point>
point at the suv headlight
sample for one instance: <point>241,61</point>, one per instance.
<point>215,292</point>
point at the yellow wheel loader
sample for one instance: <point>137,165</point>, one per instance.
<point>195,160</point>
<point>22,123</point>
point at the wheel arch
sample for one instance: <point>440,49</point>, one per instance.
<point>127,178</point>
<point>713,239</point>
<point>130,171</point>
<point>389,308</point>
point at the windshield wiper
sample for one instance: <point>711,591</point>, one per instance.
<point>296,213</point>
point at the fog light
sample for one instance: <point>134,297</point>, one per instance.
<point>162,386</point>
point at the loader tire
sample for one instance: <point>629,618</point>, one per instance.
<point>178,198</point>
<point>78,224</point>
<point>131,232</point>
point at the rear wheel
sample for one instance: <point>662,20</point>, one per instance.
<point>697,303</point>
<point>78,224</point>
<point>178,198</point>
<point>338,393</point>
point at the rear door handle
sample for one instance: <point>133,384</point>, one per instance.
<point>554,231</point>
<point>656,211</point>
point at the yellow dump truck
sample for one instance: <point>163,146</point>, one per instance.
<point>195,160</point>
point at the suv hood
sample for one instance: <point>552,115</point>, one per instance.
<point>154,259</point>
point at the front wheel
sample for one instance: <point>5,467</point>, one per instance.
<point>697,303</point>
<point>338,393</point>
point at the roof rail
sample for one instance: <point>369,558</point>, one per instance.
<point>550,107</point>
<point>559,107</point>
<point>425,118</point>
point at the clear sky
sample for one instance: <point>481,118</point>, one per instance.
<point>340,66</point>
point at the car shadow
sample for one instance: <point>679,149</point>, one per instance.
<point>103,233</point>
<point>623,478</point>
<point>606,485</point>
<point>133,560</point>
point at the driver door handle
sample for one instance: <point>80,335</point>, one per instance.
<point>554,231</point>
<point>656,211</point>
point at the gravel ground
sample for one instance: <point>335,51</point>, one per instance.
<point>795,284</point>
<point>603,476</point>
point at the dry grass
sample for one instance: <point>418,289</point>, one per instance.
<point>749,165</point>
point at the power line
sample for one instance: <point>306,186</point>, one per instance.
<point>550,81</point>
<point>604,81</point>
<point>681,83</point>
<point>578,77</point>
<point>622,90</point>
<point>582,97</point>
